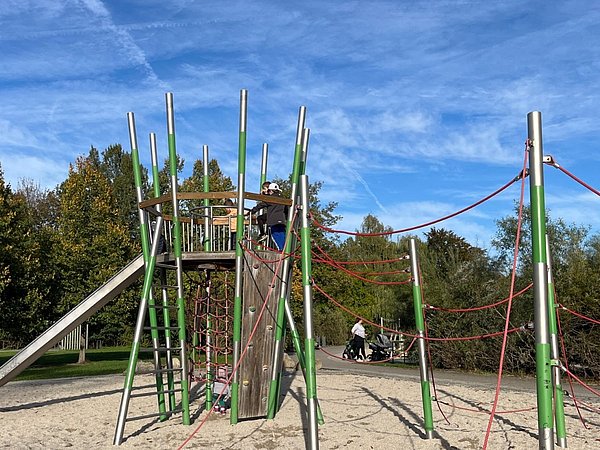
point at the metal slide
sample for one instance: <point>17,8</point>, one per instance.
<point>100,297</point>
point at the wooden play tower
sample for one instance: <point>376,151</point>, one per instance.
<point>211,305</point>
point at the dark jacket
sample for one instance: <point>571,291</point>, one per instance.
<point>276,214</point>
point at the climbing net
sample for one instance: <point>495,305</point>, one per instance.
<point>322,257</point>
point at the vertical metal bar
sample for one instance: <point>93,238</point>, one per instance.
<point>263,165</point>
<point>274,387</point>
<point>540,281</point>
<point>163,279</point>
<point>237,307</point>
<point>209,343</point>
<point>206,185</point>
<point>559,405</point>
<point>185,399</point>
<point>420,324</point>
<point>149,260</point>
<point>309,341</point>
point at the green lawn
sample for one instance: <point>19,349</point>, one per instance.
<point>63,364</point>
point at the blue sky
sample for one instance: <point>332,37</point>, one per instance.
<point>416,108</point>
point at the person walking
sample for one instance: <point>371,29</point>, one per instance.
<point>358,336</point>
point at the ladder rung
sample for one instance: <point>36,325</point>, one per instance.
<point>147,416</point>
<point>162,306</point>
<point>166,370</point>
<point>148,386</point>
<point>161,328</point>
<point>147,394</point>
<point>166,266</point>
<point>165,286</point>
<point>160,349</point>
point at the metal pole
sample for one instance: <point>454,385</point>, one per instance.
<point>239,263</point>
<point>540,282</point>
<point>163,278</point>
<point>185,398</point>
<point>206,185</point>
<point>149,260</point>
<point>273,402</point>
<point>559,405</point>
<point>263,165</point>
<point>420,323</point>
<point>309,341</point>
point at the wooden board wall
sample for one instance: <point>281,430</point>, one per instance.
<point>255,369</point>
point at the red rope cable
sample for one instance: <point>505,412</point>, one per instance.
<point>583,383</point>
<point>580,181</point>
<point>479,308</point>
<point>566,365</point>
<point>332,263</point>
<point>430,360</point>
<point>391,330</point>
<point>416,227</point>
<point>581,316</point>
<point>509,306</point>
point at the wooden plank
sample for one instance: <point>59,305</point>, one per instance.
<point>255,368</point>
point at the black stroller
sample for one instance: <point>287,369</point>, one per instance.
<point>349,351</point>
<point>381,349</point>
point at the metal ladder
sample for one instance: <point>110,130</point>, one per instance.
<point>171,384</point>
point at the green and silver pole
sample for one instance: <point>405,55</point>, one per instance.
<point>309,340</point>
<point>185,398</point>
<point>420,323</point>
<point>288,310</point>
<point>239,262</point>
<point>273,401</point>
<point>163,282</point>
<point>150,260</point>
<point>559,404</point>
<point>207,246</point>
<point>206,187</point>
<point>263,165</point>
<point>540,282</point>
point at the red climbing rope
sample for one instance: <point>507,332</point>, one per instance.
<point>510,296</point>
<point>581,316</point>
<point>580,181</point>
<point>416,227</point>
<point>479,308</point>
<point>391,330</point>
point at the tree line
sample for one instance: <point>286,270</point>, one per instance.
<point>59,245</point>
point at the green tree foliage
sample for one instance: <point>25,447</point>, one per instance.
<point>94,243</point>
<point>25,284</point>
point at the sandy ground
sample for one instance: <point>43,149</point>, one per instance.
<point>361,412</point>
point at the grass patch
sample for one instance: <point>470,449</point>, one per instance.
<point>63,364</point>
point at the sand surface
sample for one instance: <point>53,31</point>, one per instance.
<point>361,412</point>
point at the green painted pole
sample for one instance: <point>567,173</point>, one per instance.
<point>540,282</point>
<point>559,404</point>
<point>274,386</point>
<point>263,165</point>
<point>239,263</point>
<point>163,278</point>
<point>177,244</point>
<point>206,187</point>
<point>309,340</point>
<point>207,246</point>
<point>420,323</point>
<point>150,263</point>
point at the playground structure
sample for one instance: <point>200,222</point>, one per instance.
<point>236,332</point>
<point>228,319</point>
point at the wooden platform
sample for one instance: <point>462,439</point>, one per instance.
<point>201,260</point>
